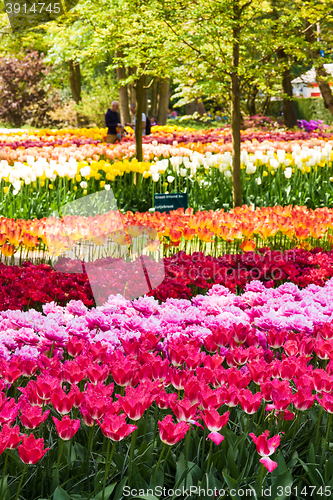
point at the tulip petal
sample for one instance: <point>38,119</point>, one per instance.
<point>268,463</point>
<point>215,437</point>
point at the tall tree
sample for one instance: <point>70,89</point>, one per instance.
<point>219,37</point>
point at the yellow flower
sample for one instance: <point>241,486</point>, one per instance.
<point>78,178</point>
<point>5,189</point>
<point>50,186</point>
<point>102,184</point>
<point>272,172</point>
<point>265,173</point>
<point>85,192</point>
<point>75,188</point>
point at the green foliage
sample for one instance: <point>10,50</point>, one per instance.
<point>97,99</point>
<point>312,109</point>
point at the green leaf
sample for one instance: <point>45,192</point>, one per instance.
<point>232,464</point>
<point>60,494</point>
<point>108,491</point>
<point>279,487</point>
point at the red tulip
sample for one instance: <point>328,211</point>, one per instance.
<point>62,402</point>
<point>66,428</point>
<point>32,416</point>
<point>171,433</point>
<point>9,437</point>
<point>265,448</point>
<point>31,449</point>
<point>116,428</point>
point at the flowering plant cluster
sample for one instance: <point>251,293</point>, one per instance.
<point>312,125</point>
<point>30,286</point>
<point>91,401</point>
<point>214,233</point>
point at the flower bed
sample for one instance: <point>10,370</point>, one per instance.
<point>99,397</point>
<point>31,286</point>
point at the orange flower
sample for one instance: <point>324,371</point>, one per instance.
<point>8,250</point>
<point>188,233</point>
<point>175,234</point>
<point>3,239</point>
<point>204,234</point>
<point>248,246</point>
<point>14,236</point>
<point>301,233</point>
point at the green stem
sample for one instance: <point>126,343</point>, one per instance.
<point>209,456</point>
<point>133,440</point>
<point>159,461</point>
<point>21,481</point>
<point>326,439</point>
<point>108,464</point>
<point>4,469</point>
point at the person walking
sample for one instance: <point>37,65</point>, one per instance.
<point>112,121</point>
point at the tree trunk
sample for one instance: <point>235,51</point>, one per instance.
<point>154,92</point>
<point>235,110</point>
<point>123,95</point>
<point>289,109</point>
<point>75,80</point>
<point>138,117</point>
<point>251,100</point>
<point>190,108</point>
<point>200,108</point>
<point>131,88</point>
<point>163,107</point>
<point>145,95</point>
<point>321,73</point>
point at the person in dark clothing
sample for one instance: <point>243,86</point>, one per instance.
<point>112,121</point>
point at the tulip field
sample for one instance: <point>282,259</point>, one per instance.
<point>209,374</point>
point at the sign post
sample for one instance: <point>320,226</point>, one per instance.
<point>169,202</point>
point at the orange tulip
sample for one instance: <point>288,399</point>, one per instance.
<point>8,250</point>
<point>205,235</point>
<point>301,233</point>
<point>248,246</point>
<point>175,235</point>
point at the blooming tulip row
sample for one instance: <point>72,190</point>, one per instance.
<point>214,233</point>
<point>280,173</point>
<point>30,286</point>
<point>97,398</point>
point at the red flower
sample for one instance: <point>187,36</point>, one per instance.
<point>66,428</point>
<point>135,403</point>
<point>250,403</point>
<point>116,428</point>
<point>61,401</point>
<point>171,433</point>
<point>8,411</point>
<point>265,448</point>
<point>31,449</point>
<point>45,386</point>
<point>32,416</point>
<point>9,437</point>
<point>184,410</point>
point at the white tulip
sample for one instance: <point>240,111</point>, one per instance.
<point>258,181</point>
<point>170,179</point>
<point>85,171</point>
<point>288,172</point>
<point>155,177</point>
<point>227,174</point>
<point>250,169</point>
<point>183,172</point>
<point>107,187</point>
<point>84,184</point>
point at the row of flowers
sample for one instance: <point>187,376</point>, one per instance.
<point>212,232</point>
<point>30,286</point>
<point>231,369</point>
<point>297,174</point>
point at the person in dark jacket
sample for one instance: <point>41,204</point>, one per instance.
<point>112,121</point>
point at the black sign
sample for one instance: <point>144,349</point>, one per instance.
<point>168,202</point>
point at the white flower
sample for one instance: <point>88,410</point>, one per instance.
<point>17,186</point>
<point>83,184</point>
<point>107,187</point>
<point>85,171</point>
<point>288,172</point>
<point>250,169</point>
<point>155,177</point>
<point>274,163</point>
<point>258,181</point>
<point>153,169</point>
<point>170,178</point>
<point>27,181</point>
<point>183,172</point>
<point>227,174</point>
